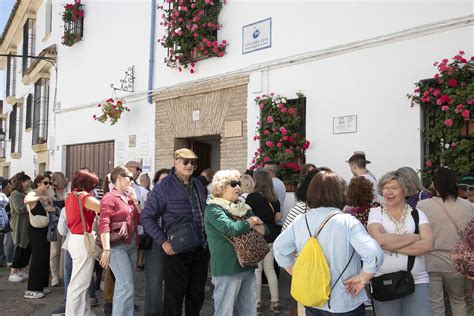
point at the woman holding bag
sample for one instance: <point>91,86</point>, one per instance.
<point>264,203</point>
<point>234,285</point>
<point>39,205</point>
<point>120,208</point>
<point>84,181</point>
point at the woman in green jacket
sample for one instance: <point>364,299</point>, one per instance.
<point>233,284</point>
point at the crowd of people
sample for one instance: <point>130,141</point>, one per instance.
<point>178,227</point>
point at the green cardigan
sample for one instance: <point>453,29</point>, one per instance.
<point>223,257</point>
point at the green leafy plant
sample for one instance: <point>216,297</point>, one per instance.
<point>72,17</point>
<point>191,32</point>
<point>111,110</point>
<point>280,133</point>
<point>448,101</point>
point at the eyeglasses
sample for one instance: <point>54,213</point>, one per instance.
<point>189,161</point>
<point>127,176</point>
<point>47,183</point>
<point>234,183</point>
<point>466,188</point>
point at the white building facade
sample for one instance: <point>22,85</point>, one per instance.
<point>356,60</point>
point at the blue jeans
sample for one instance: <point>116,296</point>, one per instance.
<point>359,311</point>
<point>122,263</point>
<point>9,246</point>
<point>67,276</point>
<point>239,289</point>
<point>417,304</point>
<point>154,263</point>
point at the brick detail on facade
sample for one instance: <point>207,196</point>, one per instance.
<point>217,101</point>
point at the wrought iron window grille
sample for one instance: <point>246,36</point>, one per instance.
<point>73,30</point>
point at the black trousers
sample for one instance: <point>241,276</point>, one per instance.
<point>38,277</point>
<point>185,276</point>
<point>21,257</point>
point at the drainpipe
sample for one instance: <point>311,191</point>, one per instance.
<point>151,61</point>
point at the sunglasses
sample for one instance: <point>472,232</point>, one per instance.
<point>234,183</point>
<point>127,176</point>
<point>466,188</point>
<point>189,161</point>
<point>47,183</point>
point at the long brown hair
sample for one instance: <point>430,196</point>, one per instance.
<point>326,190</point>
<point>264,186</point>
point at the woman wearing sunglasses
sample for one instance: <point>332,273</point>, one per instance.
<point>264,203</point>
<point>83,182</point>
<point>234,285</point>
<point>38,203</point>
<point>120,208</point>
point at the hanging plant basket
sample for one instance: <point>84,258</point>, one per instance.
<point>111,111</point>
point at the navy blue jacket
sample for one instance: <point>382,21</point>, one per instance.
<point>170,201</point>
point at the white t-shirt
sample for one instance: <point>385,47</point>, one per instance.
<point>394,262</point>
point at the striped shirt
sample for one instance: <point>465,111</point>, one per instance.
<point>299,208</point>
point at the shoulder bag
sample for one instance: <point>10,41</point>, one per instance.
<point>89,238</point>
<point>395,285</point>
<point>37,221</point>
<point>250,247</point>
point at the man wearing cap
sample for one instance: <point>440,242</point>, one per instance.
<point>179,200</point>
<point>135,168</point>
<point>358,164</point>
<point>466,187</point>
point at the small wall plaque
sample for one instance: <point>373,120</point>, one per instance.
<point>344,124</point>
<point>233,129</point>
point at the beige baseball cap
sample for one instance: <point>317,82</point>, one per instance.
<point>185,153</point>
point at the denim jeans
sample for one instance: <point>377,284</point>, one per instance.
<point>359,311</point>
<point>154,262</point>
<point>122,263</point>
<point>417,304</point>
<point>67,277</point>
<point>9,247</point>
<point>239,289</point>
<point>2,251</point>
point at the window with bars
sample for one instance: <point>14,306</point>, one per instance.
<point>2,130</point>
<point>12,132</point>
<point>29,111</point>
<point>10,89</point>
<point>40,112</point>
<point>29,38</point>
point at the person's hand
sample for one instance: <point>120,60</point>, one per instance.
<point>355,284</point>
<point>105,259</point>
<point>260,229</point>
<point>167,248</point>
<point>278,217</point>
<point>131,193</point>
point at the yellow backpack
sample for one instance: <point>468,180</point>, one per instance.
<point>311,277</point>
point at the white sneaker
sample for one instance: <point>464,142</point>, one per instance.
<point>33,294</point>
<point>15,278</point>
<point>24,275</point>
<point>46,290</point>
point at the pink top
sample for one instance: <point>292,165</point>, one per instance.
<point>115,208</point>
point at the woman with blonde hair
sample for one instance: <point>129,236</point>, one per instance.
<point>415,190</point>
<point>247,186</point>
<point>227,216</point>
<point>264,203</point>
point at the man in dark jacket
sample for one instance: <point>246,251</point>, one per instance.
<point>179,200</point>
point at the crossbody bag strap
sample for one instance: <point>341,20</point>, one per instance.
<point>458,231</point>
<point>416,218</point>
<point>326,220</point>
<point>78,195</point>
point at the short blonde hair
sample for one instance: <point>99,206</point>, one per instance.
<point>221,178</point>
<point>393,175</point>
<point>412,180</point>
<point>247,184</point>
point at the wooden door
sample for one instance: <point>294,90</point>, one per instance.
<point>98,157</point>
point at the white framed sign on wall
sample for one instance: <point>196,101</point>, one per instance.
<point>344,124</point>
<point>257,36</point>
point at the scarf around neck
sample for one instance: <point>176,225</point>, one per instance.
<point>238,209</point>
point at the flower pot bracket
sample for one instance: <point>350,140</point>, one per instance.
<point>127,84</point>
